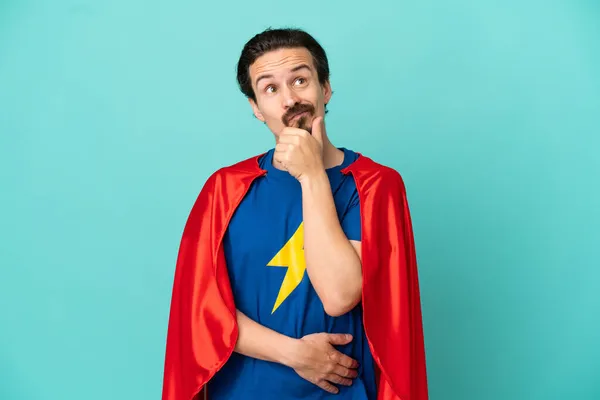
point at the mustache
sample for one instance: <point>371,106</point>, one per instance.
<point>297,109</point>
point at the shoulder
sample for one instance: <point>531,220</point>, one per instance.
<point>226,180</point>
<point>368,171</point>
<point>248,168</point>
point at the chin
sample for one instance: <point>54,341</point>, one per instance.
<point>305,123</point>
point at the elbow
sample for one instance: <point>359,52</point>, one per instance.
<point>342,303</point>
<point>336,310</point>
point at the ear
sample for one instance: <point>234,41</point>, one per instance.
<point>327,92</point>
<point>256,111</point>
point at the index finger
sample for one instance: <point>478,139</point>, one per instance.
<point>291,131</point>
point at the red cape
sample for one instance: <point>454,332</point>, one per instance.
<point>202,329</point>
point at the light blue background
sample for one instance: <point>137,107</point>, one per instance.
<point>113,114</point>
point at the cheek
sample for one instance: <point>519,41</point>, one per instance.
<point>272,111</point>
<point>268,107</point>
<point>273,117</point>
<point>316,97</point>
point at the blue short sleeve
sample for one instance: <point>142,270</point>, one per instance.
<point>351,220</point>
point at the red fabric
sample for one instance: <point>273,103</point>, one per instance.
<point>202,328</point>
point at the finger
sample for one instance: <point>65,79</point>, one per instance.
<point>344,360</point>
<point>344,372</point>
<point>279,158</point>
<point>281,147</point>
<point>323,384</point>
<point>334,378</point>
<point>318,128</point>
<point>289,139</point>
<point>339,338</point>
<point>281,152</point>
<point>290,132</point>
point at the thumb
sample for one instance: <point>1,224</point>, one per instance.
<point>339,338</point>
<point>318,128</point>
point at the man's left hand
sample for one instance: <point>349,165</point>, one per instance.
<point>299,152</point>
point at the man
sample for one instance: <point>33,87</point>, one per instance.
<point>296,276</point>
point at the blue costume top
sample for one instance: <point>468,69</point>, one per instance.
<point>265,259</point>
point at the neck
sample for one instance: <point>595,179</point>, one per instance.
<point>332,156</point>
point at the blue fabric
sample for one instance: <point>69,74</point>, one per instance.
<point>266,220</point>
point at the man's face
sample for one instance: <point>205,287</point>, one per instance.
<point>287,89</point>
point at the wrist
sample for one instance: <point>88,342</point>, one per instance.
<point>314,178</point>
<point>290,351</point>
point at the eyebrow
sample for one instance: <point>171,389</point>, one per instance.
<point>296,68</point>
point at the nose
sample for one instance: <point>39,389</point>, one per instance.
<point>289,98</point>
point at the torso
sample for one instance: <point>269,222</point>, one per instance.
<point>263,244</point>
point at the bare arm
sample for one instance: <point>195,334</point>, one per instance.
<point>313,357</point>
<point>333,262</point>
<point>260,342</point>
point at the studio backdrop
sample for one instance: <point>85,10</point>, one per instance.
<point>114,113</point>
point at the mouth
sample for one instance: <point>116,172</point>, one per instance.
<point>299,115</point>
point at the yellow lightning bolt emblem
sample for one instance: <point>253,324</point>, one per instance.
<point>291,256</point>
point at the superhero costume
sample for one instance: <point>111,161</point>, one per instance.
<point>202,326</point>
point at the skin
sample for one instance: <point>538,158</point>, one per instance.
<point>286,81</point>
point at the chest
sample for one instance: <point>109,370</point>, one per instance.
<point>264,221</point>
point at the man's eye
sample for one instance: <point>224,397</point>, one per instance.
<point>270,89</point>
<point>300,81</point>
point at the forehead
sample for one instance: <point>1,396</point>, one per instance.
<point>279,62</point>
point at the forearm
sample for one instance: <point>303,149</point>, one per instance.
<point>257,341</point>
<point>332,263</point>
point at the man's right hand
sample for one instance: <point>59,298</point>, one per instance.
<point>317,361</point>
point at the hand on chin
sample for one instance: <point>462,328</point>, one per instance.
<point>300,152</point>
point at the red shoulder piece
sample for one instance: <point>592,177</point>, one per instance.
<point>391,296</point>
<point>202,328</point>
